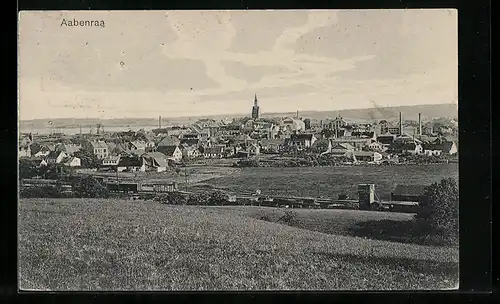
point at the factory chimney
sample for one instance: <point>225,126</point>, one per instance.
<point>159,122</point>
<point>400,123</point>
<point>419,124</point>
<point>297,114</point>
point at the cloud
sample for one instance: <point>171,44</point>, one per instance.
<point>251,73</point>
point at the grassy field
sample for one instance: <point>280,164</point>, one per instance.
<point>77,244</point>
<point>331,181</point>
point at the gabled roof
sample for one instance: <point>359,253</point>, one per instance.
<point>271,142</point>
<point>158,158</point>
<point>342,146</point>
<point>99,144</point>
<point>54,154</point>
<point>168,150</point>
<point>169,141</point>
<point>303,136</point>
<point>130,161</point>
<point>409,190</point>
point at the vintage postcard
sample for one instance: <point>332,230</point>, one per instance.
<point>238,150</point>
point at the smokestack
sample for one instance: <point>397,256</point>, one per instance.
<point>419,124</point>
<point>297,114</point>
<point>159,122</point>
<point>400,123</point>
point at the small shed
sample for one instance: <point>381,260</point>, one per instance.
<point>408,193</point>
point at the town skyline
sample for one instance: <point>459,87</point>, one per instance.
<point>211,63</point>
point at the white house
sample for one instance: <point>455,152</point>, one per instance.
<point>72,161</point>
<point>100,149</point>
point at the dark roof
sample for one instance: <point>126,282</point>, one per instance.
<point>159,158</point>
<point>169,141</point>
<point>367,134</point>
<point>409,190</point>
<point>304,136</point>
<point>130,162</point>
<point>190,141</point>
<point>214,150</point>
<point>167,150</point>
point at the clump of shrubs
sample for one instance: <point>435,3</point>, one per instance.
<point>41,192</point>
<point>214,198</point>
<point>439,209</point>
<point>89,187</point>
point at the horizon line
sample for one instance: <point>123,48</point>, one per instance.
<point>239,114</point>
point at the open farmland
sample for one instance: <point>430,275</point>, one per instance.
<point>331,181</point>
<point>81,244</point>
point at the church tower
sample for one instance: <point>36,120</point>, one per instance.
<point>255,108</point>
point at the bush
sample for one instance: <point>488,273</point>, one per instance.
<point>247,163</point>
<point>172,198</point>
<point>218,198</point>
<point>88,186</point>
<point>440,208</point>
<point>41,192</point>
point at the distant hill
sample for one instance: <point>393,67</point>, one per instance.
<point>388,113</point>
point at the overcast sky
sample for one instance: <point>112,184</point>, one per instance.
<point>185,63</point>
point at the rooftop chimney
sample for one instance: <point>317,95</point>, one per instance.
<point>419,124</point>
<point>400,123</point>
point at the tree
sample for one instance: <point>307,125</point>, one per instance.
<point>88,159</point>
<point>27,168</point>
<point>440,207</point>
<point>327,133</point>
<point>88,186</point>
<point>307,123</point>
<point>218,198</point>
<point>201,198</point>
<point>320,146</point>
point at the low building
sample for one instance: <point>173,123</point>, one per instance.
<point>213,152</point>
<point>408,193</point>
<point>271,145</point>
<point>293,124</point>
<point>55,157</point>
<point>301,141</point>
<point>357,142</point>
<point>155,161</point>
<point>100,149</point>
<point>407,148</point>
<point>253,149</point>
<point>171,152</point>
<point>24,150</point>
<point>131,164</point>
<point>111,160</point>
<point>72,161</point>
<point>190,152</point>
<point>367,156</point>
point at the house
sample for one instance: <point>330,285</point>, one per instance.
<point>340,150</point>
<point>322,145</point>
<point>55,157</point>
<point>70,149</point>
<point>386,139</point>
<point>194,142</point>
<point>366,156</point>
<point>431,150</point>
<point>376,146</point>
<point>407,148</point>
<point>301,141</point>
<point>253,149</point>
<point>137,145</point>
<point>293,124</point>
<point>44,150</point>
<point>439,147</point>
<point>357,142</point>
<point>131,164</point>
<point>271,145</point>
<point>100,149</point>
<point>111,160</point>
<point>190,152</point>
<point>408,193</point>
<point>213,152</point>
<point>155,161</point>
<point>171,152</point>
<point>24,150</point>
<point>72,161</point>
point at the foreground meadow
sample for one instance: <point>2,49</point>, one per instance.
<point>76,244</point>
<point>331,181</point>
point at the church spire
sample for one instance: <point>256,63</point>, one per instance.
<point>255,102</point>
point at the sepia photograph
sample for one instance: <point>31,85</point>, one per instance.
<point>238,150</point>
